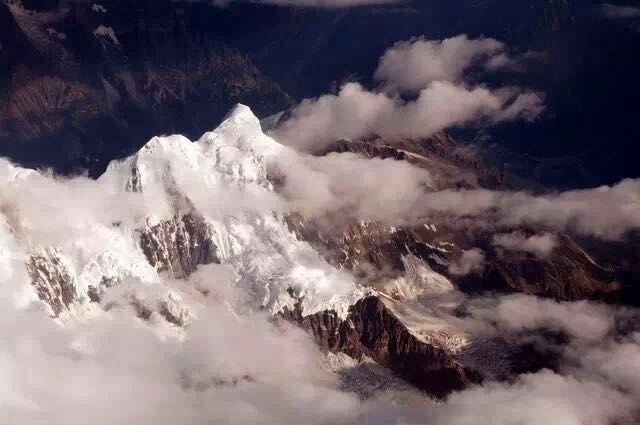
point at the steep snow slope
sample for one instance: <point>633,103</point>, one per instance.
<point>173,205</point>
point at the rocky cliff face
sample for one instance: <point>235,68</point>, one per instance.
<point>52,280</point>
<point>568,274</point>
<point>371,330</point>
<point>179,245</point>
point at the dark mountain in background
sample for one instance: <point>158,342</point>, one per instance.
<point>82,86</point>
<point>74,97</point>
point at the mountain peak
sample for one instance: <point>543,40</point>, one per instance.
<point>242,114</point>
<point>241,129</point>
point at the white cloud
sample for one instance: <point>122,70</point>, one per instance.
<point>581,320</point>
<point>52,210</point>
<point>412,65</point>
<point>394,192</point>
<point>355,113</point>
<point>540,245</point>
<point>596,382</point>
<point>607,211</point>
<point>538,399</point>
<point>431,70</point>
<point>232,366</point>
<point>116,368</point>
<point>470,261</point>
<point>350,187</point>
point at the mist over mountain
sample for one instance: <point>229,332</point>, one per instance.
<point>319,212</point>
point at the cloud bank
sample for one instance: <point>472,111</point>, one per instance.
<point>230,365</point>
<point>356,113</point>
<point>394,192</point>
<point>116,368</point>
<point>434,68</point>
<point>431,70</point>
<point>607,211</point>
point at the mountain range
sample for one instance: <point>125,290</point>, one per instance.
<point>364,289</point>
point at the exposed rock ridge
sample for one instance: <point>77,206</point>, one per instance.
<point>179,245</point>
<point>372,330</point>
<point>568,274</point>
<point>51,278</point>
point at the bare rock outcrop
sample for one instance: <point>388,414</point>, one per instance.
<point>372,330</point>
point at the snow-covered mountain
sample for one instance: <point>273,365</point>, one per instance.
<point>176,206</point>
<point>180,222</point>
<point>193,207</point>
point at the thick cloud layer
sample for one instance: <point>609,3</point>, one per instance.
<point>434,69</point>
<point>233,366</point>
<point>115,368</point>
<point>350,187</point>
<point>607,211</point>
<point>588,385</point>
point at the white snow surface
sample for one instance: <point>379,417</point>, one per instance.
<point>427,326</point>
<point>223,177</point>
<point>419,281</point>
